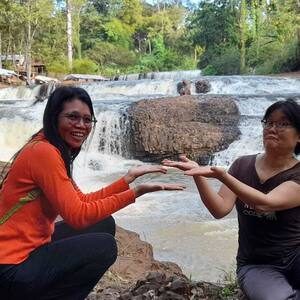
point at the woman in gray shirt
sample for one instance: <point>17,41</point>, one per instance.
<point>265,188</point>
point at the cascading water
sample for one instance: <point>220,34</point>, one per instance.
<point>163,218</point>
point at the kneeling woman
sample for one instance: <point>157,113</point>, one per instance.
<point>265,188</point>
<point>38,258</point>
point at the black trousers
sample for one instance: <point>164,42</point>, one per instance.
<point>66,269</point>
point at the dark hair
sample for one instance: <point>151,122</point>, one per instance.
<point>291,109</point>
<point>53,108</point>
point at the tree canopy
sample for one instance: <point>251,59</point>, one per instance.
<point>123,36</point>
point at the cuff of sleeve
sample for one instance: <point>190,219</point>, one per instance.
<point>128,197</point>
<point>124,184</point>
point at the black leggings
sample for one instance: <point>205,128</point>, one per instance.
<point>66,269</point>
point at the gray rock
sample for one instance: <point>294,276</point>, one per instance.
<point>202,86</point>
<point>196,126</point>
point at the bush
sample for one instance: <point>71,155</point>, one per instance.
<point>281,58</point>
<point>107,54</point>
<point>57,68</point>
<point>209,70</point>
<point>84,66</point>
<point>228,63</point>
<point>222,60</point>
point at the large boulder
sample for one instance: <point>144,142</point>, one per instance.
<point>196,126</point>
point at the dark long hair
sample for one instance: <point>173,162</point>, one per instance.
<point>291,109</point>
<point>54,107</point>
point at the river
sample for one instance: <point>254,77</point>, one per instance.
<point>176,223</point>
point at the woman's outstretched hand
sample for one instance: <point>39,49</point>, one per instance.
<point>183,164</point>
<point>206,171</point>
<point>136,172</point>
<point>145,188</point>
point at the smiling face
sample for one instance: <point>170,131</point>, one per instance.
<point>74,132</point>
<point>277,137</point>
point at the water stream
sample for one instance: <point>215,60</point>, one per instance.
<point>176,223</point>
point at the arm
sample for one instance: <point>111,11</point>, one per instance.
<point>120,185</point>
<point>284,196</point>
<point>114,188</point>
<point>219,204</point>
<point>58,189</point>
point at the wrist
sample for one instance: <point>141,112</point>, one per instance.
<point>137,191</point>
<point>129,178</point>
<point>223,176</point>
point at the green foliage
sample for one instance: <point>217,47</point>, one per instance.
<point>118,33</point>
<point>58,67</point>
<point>84,66</point>
<point>221,36</point>
<point>231,287</point>
<point>107,54</point>
<point>228,63</point>
<point>209,70</point>
<point>285,59</point>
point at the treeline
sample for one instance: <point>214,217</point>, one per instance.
<point>129,36</point>
<point>247,36</point>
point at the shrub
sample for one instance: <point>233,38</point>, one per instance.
<point>84,66</point>
<point>209,70</point>
<point>58,67</point>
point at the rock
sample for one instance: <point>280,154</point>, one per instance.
<point>184,87</point>
<point>202,86</point>
<point>176,288</point>
<point>196,126</point>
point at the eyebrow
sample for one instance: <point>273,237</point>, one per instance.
<point>77,113</point>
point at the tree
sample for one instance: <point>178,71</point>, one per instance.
<point>69,33</point>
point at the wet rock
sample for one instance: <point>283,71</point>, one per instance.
<point>196,126</point>
<point>184,87</point>
<point>202,86</point>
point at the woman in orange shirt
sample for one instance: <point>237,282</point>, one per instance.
<point>38,258</point>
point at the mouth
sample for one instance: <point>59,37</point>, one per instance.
<point>271,137</point>
<point>78,135</point>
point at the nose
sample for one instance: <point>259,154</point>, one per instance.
<point>80,123</point>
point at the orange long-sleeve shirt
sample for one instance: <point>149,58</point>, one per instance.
<point>40,165</point>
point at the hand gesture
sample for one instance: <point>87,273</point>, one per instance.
<point>154,187</point>
<point>138,171</point>
<point>206,171</point>
<point>184,164</point>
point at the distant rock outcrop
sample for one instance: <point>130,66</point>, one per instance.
<point>202,86</point>
<point>196,126</point>
<point>184,87</point>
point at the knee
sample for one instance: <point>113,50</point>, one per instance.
<point>107,225</point>
<point>106,248</point>
<point>111,225</point>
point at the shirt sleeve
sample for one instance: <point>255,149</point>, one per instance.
<point>49,174</point>
<point>234,168</point>
<point>114,188</point>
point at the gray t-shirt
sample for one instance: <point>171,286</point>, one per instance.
<point>266,237</point>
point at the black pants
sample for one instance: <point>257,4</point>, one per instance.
<point>66,269</point>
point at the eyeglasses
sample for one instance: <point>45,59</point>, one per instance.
<point>281,125</point>
<point>76,118</point>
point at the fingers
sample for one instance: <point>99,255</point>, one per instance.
<point>183,158</point>
<point>173,187</point>
<point>160,169</point>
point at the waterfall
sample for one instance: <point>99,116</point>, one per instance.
<point>175,75</point>
<point>105,157</point>
<point>112,133</point>
<point>142,89</point>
